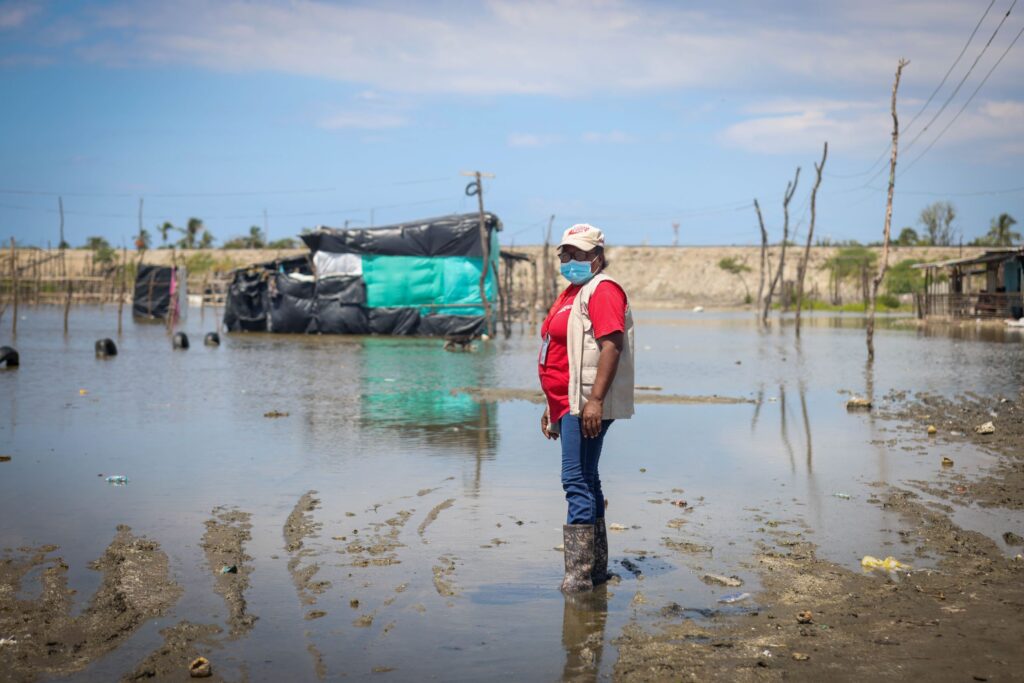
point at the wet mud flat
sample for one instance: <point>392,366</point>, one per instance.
<point>963,619</point>
<point>43,638</point>
<point>388,524</point>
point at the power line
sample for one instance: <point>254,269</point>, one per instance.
<point>963,51</point>
<point>953,66</point>
<point>247,193</point>
<point>962,80</point>
<point>980,193</point>
<point>237,216</point>
<point>953,120</point>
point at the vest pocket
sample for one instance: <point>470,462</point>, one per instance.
<point>588,375</point>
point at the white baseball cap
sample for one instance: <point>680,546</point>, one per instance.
<point>582,236</point>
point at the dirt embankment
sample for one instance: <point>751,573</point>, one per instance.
<point>653,276</point>
<point>815,620</point>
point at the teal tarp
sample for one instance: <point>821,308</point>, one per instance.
<point>428,282</point>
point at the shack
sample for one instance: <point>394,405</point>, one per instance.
<point>159,291</point>
<point>985,286</point>
<point>425,277</point>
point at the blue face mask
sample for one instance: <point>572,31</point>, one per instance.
<point>577,272</point>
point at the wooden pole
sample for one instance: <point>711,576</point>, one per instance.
<point>888,217</point>
<point>172,305</point>
<point>60,209</point>
<point>548,299</point>
<point>533,295</point>
<point>764,258</point>
<point>810,235</point>
<point>37,258</point>
<point>14,290</point>
<point>67,304</point>
<point>120,299</point>
<point>485,245</point>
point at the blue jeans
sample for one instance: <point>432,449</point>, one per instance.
<point>580,480</point>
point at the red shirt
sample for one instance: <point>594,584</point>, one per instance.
<point>607,314</point>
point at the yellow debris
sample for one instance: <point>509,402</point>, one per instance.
<point>889,564</point>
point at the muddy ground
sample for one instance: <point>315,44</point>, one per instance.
<point>815,620</point>
<point>42,638</point>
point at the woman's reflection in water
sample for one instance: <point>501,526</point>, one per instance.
<point>583,622</point>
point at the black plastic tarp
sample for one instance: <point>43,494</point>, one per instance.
<point>397,321</point>
<point>340,306</point>
<point>246,304</point>
<point>292,304</point>
<point>152,297</point>
<point>457,235</point>
<point>451,325</point>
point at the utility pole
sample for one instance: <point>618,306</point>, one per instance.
<point>266,228</point>
<point>476,187</point>
<point>371,218</point>
<point>60,209</point>
<point>675,234</point>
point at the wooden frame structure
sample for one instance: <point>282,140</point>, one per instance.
<point>985,286</point>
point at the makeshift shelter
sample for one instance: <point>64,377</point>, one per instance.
<point>159,291</point>
<point>985,286</point>
<point>416,278</point>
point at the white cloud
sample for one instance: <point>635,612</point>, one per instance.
<point>862,128</point>
<point>14,14</point>
<point>562,48</point>
<point>615,137</point>
<point>363,120</point>
<point>532,140</point>
<point>856,128</point>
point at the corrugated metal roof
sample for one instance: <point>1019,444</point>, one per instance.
<point>988,257</point>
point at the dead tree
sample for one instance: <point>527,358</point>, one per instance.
<point>764,259</point>
<point>786,198</point>
<point>884,266</point>
<point>802,270</point>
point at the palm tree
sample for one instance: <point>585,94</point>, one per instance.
<point>255,239</point>
<point>163,230</point>
<point>207,239</point>
<point>1000,234</point>
<point>189,233</point>
<point>142,240</point>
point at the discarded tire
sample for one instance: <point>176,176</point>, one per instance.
<point>212,339</point>
<point>180,340</point>
<point>8,357</point>
<point>105,348</point>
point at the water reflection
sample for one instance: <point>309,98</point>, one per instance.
<point>406,388</point>
<point>583,622</point>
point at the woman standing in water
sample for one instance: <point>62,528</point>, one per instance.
<point>586,372</point>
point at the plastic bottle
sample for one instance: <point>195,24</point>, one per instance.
<point>118,479</point>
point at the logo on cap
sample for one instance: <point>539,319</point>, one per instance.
<point>578,229</point>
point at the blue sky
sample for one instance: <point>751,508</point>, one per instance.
<point>628,115</point>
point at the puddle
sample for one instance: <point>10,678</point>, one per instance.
<point>373,426</point>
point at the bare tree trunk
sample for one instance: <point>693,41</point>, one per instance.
<point>802,271</point>
<point>888,217</point>
<point>786,198</point>
<point>14,289</point>
<point>764,258</point>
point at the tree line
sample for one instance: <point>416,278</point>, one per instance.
<point>938,229</point>
<point>194,235</point>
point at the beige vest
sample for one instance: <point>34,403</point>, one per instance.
<point>584,353</point>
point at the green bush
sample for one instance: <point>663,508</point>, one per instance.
<point>889,300</point>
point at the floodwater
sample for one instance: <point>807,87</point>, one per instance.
<point>373,427</point>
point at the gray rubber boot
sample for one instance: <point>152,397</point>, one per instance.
<point>579,557</point>
<point>600,573</point>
